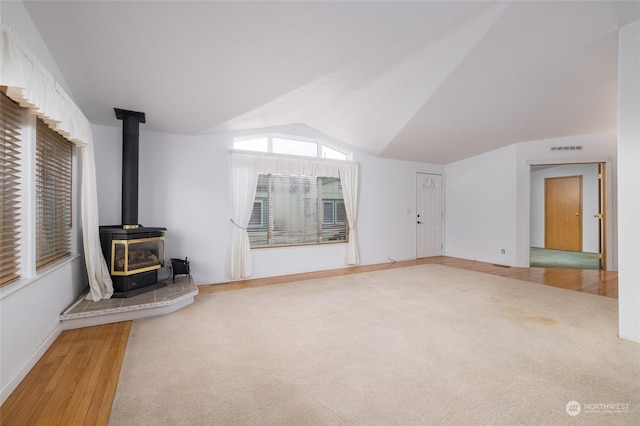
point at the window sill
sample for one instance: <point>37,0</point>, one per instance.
<point>14,287</point>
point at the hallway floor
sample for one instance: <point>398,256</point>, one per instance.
<point>546,258</point>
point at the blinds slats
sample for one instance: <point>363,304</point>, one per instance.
<point>10,168</point>
<point>292,210</point>
<point>53,195</point>
<point>53,188</point>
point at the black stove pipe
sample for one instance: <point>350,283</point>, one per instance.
<point>130,150</point>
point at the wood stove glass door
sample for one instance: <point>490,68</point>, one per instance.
<point>136,256</point>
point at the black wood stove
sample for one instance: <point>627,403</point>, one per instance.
<point>133,252</point>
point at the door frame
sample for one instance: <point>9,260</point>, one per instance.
<point>606,204</point>
<point>603,182</point>
<point>415,211</point>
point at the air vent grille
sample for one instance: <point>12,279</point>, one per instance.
<point>567,148</point>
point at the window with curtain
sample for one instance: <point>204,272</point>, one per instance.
<point>294,210</point>
<point>53,195</point>
<point>280,200</point>
<point>10,165</point>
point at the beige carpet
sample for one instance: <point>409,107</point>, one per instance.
<point>421,345</point>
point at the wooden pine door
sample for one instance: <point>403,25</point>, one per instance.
<point>563,213</point>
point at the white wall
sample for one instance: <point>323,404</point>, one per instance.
<point>629,181</point>
<point>481,207</point>
<point>590,205</point>
<point>487,197</point>
<point>185,187</point>
<point>30,307</point>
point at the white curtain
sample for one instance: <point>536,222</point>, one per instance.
<point>245,169</point>
<point>33,87</point>
<point>349,181</point>
<point>100,284</point>
<point>244,180</point>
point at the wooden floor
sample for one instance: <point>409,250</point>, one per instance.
<point>75,380</point>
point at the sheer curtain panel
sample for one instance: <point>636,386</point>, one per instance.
<point>244,180</point>
<point>349,181</point>
<point>100,284</point>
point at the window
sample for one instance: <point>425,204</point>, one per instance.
<point>334,213</point>
<point>334,154</point>
<point>52,188</point>
<point>53,195</point>
<point>258,144</point>
<point>328,212</point>
<point>294,210</point>
<point>294,147</point>
<point>289,146</point>
<point>10,166</point>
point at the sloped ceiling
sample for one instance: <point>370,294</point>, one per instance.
<point>424,81</point>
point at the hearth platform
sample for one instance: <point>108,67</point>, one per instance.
<point>167,299</point>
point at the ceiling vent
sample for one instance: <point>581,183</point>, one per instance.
<point>567,148</point>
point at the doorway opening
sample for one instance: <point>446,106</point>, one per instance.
<point>567,227</point>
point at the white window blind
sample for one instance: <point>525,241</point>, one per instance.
<point>53,195</point>
<point>296,210</point>
<point>10,165</point>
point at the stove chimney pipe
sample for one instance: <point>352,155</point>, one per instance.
<point>130,149</point>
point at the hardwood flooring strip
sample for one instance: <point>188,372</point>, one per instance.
<point>84,391</point>
<point>74,382</point>
<point>110,376</point>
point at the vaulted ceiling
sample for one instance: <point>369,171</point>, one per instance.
<point>424,81</point>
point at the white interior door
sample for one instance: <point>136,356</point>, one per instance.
<point>429,215</point>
